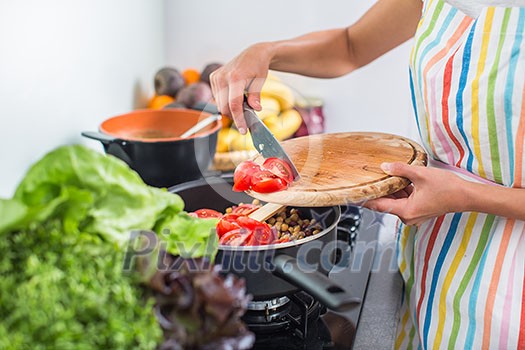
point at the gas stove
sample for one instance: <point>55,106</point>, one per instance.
<point>298,321</point>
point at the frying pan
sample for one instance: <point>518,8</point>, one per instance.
<point>278,270</point>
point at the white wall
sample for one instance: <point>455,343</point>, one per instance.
<point>375,98</point>
<point>67,65</point>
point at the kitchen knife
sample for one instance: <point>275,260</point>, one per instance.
<point>264,141</point>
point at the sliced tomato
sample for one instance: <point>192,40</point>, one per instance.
<point>266,182</point>
<point>262,235</point>
<point>279,167</point>
<point>245,209</point>
<point>282,240</point>
<point>236,237</point>
<point>240,240</point>
<point>228,236</point>
<point>207,213</point>
<point>227,223</point>
<point>243,174</point>
<point>261,232</point>
<point>249,223</point>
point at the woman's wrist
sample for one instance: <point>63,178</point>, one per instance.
<point>266,51</point>
<point>468,196</point>
<point>490,199</point>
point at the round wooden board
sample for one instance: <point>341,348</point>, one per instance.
<point>344,168</point>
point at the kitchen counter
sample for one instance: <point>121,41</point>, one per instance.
<point>380,311</point>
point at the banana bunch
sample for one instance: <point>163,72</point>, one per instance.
<point>277,101</point>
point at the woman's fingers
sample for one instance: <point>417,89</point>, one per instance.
<point>254,93</point>
<point>411,172</point>
<point>386,205</point>
<point>235,104</point>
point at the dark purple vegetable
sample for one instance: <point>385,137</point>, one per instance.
<point>195,93</point>
<point>210,68</point>
<point>197,307</point>
<point>168,81</point>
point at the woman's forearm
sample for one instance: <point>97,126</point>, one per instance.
<point>332,53</point>
<point>497,200</point>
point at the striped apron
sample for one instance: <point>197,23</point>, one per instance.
<point>464,272</point>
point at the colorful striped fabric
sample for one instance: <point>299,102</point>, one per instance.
<point>464,273</point>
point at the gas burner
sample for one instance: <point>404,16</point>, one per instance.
<point>267,305</point>
<point>294,313</point>
<point>291,325</point>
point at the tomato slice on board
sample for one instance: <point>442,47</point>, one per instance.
<point>243,175</point>
<point>266,182</point>
<point>207,213</point>
<point>279,167</point>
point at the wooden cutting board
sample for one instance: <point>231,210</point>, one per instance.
<point>344,168</point>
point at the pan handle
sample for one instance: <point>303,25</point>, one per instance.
<point>104,138</point>
<point>314,283</point>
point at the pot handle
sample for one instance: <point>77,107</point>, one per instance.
<point>115,146</point>
<point>104,138</point>
<point>318,285</point>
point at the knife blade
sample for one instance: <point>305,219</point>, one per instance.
<point>264,141</point>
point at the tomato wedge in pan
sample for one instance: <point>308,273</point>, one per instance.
<point>227,223</point>
<point>280,168</point>
<point>245,209</point>
<point>228,237</point>
<point>262,236</point>
<point>207,213</point>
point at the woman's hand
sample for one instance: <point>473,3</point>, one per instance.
<point>246,72</point>
<point>433,192</point>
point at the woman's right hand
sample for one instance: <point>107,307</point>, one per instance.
<point>245,73</point>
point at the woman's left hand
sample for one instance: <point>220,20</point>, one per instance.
<point>433,192</point>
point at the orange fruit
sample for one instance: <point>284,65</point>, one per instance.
<point>159,101</point>
<point>226,122</point>
<point>191,76</point>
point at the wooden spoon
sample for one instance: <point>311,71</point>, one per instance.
<point>266,211</point>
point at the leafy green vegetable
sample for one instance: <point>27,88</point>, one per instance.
<point>94,192</point>
<point>62,239</point>
<point>68,292</point>
<point>98,194</point>
<point>13,213</point>
<point>189,236</point>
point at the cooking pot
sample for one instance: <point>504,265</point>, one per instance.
<point>273,271</point>
<point>148,141</point>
